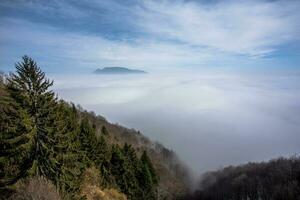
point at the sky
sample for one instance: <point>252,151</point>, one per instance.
<point>223,83</point>
<point>78,36</point>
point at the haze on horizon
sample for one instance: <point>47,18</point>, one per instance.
<point>223,86</point>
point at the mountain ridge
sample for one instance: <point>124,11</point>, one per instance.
<point>118,70</point>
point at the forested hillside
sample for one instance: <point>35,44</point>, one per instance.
<point>65,152</point>
<point>52,149</point>
<point>278,179</point>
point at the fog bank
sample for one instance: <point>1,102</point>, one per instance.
<point>211,119</point>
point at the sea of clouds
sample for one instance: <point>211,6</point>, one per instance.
<point>211,119</point>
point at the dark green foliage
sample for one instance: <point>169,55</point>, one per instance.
<point>147,177</point>
<point>31,107</point>
<point>131,168</point>
<point>133,176</point>
<point>87,138</point>
<point>117,162</point>
<point>29,88</point>
<point>71,160</point>
<point>42,136</point>
<point>275,180</point>
<point>120,169</point>
<point>147,162</point>
<point>15,141</point>
<point>104,131</point>
<point>102,161</point>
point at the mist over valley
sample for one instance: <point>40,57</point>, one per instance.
<point>210,120</point>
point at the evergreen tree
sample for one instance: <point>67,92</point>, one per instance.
<point>131,169</point>
<point>87,138</point>
<point>146,183</point>
<point>147,162</point>
<point>118,167</point>
<point>147,177</point>
<point>16,131</point>
<point>102,161</point>
<point>30,90</point>
<point>130,154</point>
<point>67,149</point>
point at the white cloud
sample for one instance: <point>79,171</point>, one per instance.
<point>241,27</point>
<point>88,49</point>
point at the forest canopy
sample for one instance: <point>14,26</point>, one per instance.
<point>278,179</point>
<point>42,136</point>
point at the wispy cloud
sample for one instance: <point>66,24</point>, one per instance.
<point>253,28</point>
<point>147,33</point>
<point>82,50</point>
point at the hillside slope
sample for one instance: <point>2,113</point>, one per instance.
<point>43,138</point>
<point>174,178</point>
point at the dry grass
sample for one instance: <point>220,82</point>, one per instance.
<point>91,190</point>
<point>36,188</point>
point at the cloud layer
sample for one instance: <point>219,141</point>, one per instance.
<point>209,119</point>
<point>150,34</point>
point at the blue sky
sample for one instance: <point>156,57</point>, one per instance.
<point>79,36</point>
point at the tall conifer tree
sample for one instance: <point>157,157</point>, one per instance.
<point>30,90</point>
<point>147,162</point>
<point>147,177</point>
<point>70,158</point>
<point>16,130</point>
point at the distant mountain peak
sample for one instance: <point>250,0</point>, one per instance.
<point>118,70</point>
